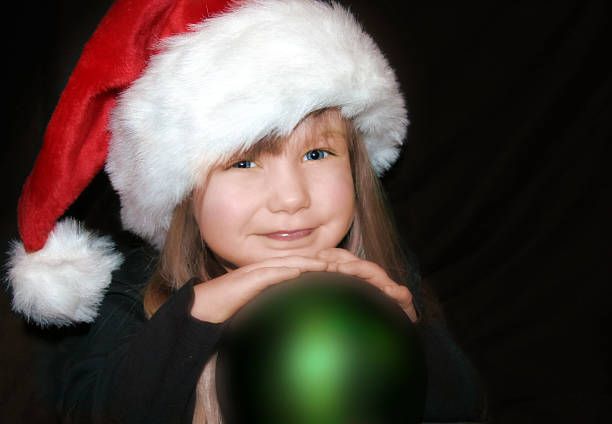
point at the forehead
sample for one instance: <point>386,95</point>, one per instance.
<point>318,129</point>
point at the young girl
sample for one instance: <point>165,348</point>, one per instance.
<point>245,149</point>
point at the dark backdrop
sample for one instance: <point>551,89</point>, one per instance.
<point>503,190</point>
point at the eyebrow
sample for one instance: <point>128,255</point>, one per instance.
<point>274,145</point>
<point>330,137</point>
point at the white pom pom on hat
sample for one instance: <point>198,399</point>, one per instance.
<point>164,89</point>
<point>65,281</point>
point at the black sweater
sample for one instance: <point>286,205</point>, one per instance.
<point>128,369</point>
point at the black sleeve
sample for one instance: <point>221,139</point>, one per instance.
<point>128,369</point>
<point>132,370</point>
<point>454,389</point>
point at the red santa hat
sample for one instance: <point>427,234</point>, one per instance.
<point>163,90</point>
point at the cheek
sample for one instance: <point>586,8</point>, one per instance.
<point>338,194</point>
<point>342,196</point>
<point>223,208</point>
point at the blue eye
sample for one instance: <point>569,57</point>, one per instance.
<point>316,154</point>
<point>244,164</point>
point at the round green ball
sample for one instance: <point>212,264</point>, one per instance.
<point>324,348</point>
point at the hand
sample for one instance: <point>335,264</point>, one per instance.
<point>341,260</point>
<point>218,299</point>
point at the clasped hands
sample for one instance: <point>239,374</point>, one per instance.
<point>218,299</point>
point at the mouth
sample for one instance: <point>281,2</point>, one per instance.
<point>286,235</point>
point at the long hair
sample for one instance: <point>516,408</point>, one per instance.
<point>371,237</point>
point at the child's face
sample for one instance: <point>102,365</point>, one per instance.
<point>297,202</point>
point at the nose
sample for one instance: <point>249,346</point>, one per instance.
<point>287,189</point>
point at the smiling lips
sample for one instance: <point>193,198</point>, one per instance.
<point>289,235</point>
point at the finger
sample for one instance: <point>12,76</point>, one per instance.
<point>399,293</point>
<point>257,280</point>
<point>403,297</point>
<point>367,271</point>
<point>375,275</point>
<point>335,254</point>
<point>218,299</point>
<point>304,263</point>
<point>252,282</point>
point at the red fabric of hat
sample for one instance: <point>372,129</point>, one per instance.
<point>76,140</point>
<point>60,272</point>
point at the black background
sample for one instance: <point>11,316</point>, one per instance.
<point>503,190</point>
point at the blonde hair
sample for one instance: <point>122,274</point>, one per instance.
<point>371,237</point>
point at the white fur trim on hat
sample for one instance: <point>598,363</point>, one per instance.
<point>233,79</point>
<point>65,281</point>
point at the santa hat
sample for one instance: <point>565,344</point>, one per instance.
<point>164,89</point>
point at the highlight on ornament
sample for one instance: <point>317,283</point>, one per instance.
<point>324,348</point>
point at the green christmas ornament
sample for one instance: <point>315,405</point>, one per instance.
<point>324,348</point>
